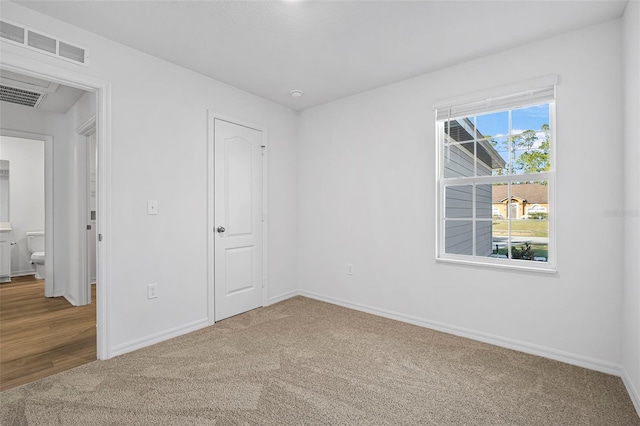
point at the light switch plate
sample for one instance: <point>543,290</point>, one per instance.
<point>349,269</point>
<point>152,291</point>
<point>152,206</point>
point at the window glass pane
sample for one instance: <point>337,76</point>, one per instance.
<point>460,129</point>
<point>484,238</point>
<point>496,151</point>
<point>531,160</point>
<point>458,238</point>
<point>499,200</point>
<point>530,139</point>
<point>530,239</point>
<point>493,125</point>
<point>529,118</point>
<point>530,226</point>
<point>459,159</point>
<point>484,201</point>
<point>499,238</point>
<point>529,198</point>
<point>458,201</point>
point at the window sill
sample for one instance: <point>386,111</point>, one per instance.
<point>512,265</point>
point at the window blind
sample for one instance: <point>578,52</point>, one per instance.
<point>527,98</point>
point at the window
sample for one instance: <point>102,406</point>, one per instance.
<point>496,171</point>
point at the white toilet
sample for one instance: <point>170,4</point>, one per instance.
<point>35,244</point>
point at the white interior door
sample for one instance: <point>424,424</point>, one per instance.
<point>92,206</point>
<point>86,164</point>
<point>238,218</point>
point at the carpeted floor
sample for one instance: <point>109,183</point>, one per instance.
<point>306,362</point>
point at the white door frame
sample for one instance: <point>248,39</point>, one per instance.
<point>49,279</point>
<point>44,70</point>
<point>87,129</point>
<point>211,116</point>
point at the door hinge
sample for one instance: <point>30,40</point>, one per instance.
<point>99,237</point>
<point>262,149</point>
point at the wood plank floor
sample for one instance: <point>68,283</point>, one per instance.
<point>42,336</point>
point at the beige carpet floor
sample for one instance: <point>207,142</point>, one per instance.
<point>304,362</point>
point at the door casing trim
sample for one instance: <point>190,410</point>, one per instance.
<point>44,70</point>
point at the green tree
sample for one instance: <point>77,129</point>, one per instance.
<point>533,154</point>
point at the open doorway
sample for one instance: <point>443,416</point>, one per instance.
<point>64,326</point>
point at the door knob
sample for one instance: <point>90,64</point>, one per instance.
<point>221,229</point>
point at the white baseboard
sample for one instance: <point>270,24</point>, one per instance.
<point>569,358</point>
<point>23,273</point>
<point>633,392</point>
<point>70,299</point>
<point>280,298</point>
<point>136,344</point>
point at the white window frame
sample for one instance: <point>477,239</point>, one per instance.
<point>496,100</point>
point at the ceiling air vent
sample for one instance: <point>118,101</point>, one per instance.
<point>20,96</point>
<point>35,40</point>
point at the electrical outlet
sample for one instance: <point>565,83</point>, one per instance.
<point>349,269</point>
<point>152,290</point>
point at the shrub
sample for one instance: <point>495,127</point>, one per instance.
<point>524,253</point>
<point>538,215</point>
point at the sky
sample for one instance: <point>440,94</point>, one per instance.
<point>497,124</point>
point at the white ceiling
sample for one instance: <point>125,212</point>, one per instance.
<point>328,49</point>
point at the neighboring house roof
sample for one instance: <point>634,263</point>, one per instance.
<point>461,130</point>
<point>532,193</point>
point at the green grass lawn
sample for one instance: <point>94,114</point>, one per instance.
<point>531,228</point>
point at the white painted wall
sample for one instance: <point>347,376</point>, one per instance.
<point>631,150</point>
<point>367,197</point>
<point>26,194</point>
<point>158,148</point>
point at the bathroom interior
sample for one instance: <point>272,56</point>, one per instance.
<point>22,214</point>
<point>33,109</point>
<point>22,209</point>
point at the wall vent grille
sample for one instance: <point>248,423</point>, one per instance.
<point>20,96</point>
<point>73,53</point>
<point>12,32</point>
<point>35,40</point>
<point>42,42</point>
